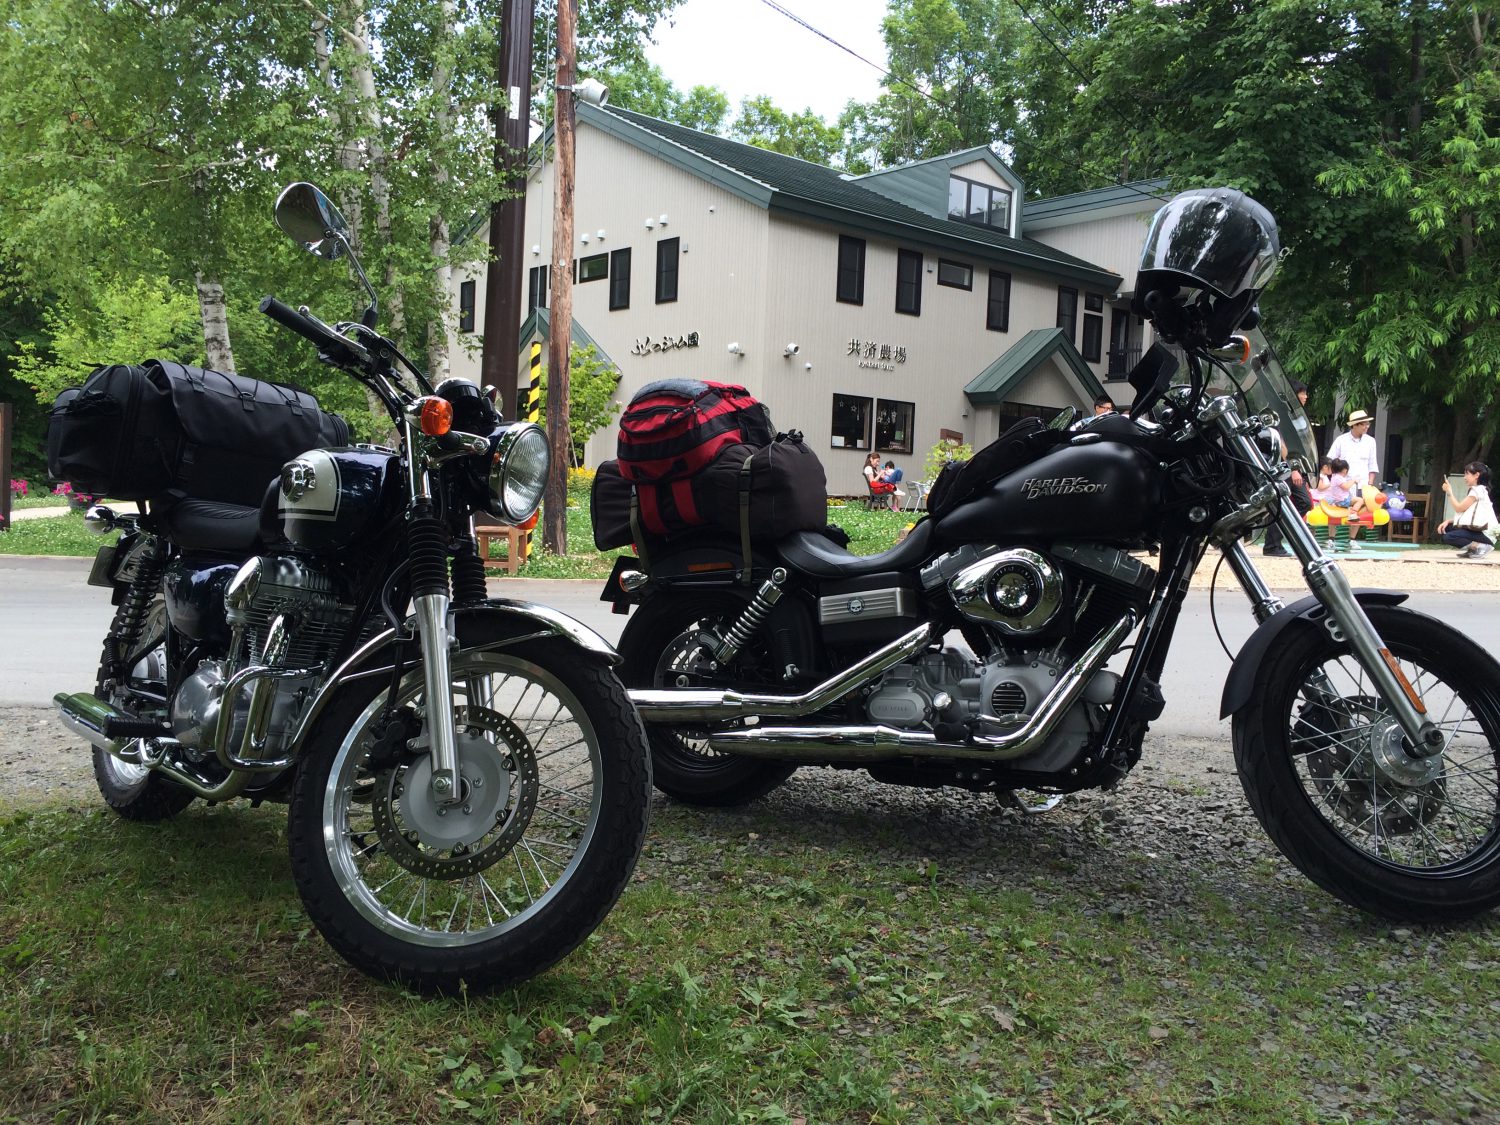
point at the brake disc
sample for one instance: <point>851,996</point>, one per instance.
<point>498,784</point>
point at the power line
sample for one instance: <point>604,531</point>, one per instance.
<point>1101,177</point>
<point>795,18</point>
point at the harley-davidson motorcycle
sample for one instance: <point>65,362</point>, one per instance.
<point>1365,734</point>
<point>468,784</point>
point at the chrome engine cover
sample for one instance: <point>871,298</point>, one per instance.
<point>998,695</point>
<point>1016,592</point>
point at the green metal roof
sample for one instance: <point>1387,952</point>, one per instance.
<point>538,326</point>
<point>791,186</point>
<point>1138,195</point>
<point>992,385</point>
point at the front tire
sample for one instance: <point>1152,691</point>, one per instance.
<point>554,764</point>
<point>682,765</point>
<point>1327,779</point>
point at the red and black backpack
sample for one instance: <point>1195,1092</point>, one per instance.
<point>673,429</point>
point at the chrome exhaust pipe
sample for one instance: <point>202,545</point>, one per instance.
<point>85,715</point>
<point>878,743</point>
<point>665,705</point>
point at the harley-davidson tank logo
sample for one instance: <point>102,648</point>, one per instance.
<point>1033,488</point>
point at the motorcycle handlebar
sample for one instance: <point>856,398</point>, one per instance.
<point>328,342</point>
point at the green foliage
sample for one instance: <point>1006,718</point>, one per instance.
<point>133,322</point>
<point>591,402</point>
<point>804,135</point>
<point>645,89</point>
<point>952,84</point>
<point>943,452</point>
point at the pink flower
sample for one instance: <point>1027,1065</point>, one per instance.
<point>18,487</point>
<point>62,489</point>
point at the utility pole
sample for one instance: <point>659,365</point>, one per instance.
<point>502,283</point>
<point>560,334</point>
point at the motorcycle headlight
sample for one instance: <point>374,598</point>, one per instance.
<point>519,459</point>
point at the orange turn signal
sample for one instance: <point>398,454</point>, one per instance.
<point>531,523</point>
<point>437,416</point>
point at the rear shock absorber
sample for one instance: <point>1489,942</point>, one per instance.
<point>743,629</point>
<point>130,620</point>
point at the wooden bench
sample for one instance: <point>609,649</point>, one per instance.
<point>517,544</point>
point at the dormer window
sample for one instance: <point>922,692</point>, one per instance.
<point>973,202</point>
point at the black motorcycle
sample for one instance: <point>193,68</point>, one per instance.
<point>468,785</point>
<point>1365,734</point>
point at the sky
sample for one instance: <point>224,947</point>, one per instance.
<point>747,48</point>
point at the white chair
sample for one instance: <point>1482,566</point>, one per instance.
<point>916,495</point>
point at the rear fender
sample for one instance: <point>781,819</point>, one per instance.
<point>1300,614</point>
<point>496,624</point>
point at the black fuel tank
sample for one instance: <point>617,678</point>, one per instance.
<point>1103,490</point>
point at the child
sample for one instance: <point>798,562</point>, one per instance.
<point>1342,490</point>
<point>1320,491</point>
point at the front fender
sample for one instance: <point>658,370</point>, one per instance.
<point>517,621</point>
<point>1309,609</point>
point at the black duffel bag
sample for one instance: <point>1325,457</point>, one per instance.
<point>757,494</point>
<point>164,428</point>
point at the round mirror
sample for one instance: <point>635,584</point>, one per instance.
<point>312,221</point>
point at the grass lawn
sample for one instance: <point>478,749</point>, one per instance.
<point>798,963</point>
<point>869,533</point>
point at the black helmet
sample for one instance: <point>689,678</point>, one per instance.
<point>1216,241</point>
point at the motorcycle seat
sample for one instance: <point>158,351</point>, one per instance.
<point>813,553</point>
<point>212,525</point>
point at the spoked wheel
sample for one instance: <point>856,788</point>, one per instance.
<point>664,647</point>
<point>1323,764</point>
<point>136,792</point>
<point>554,789</point>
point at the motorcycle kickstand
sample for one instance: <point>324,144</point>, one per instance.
<point>1031,804</point>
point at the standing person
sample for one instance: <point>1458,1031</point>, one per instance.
<point>1358,448</point>
<point>1474,526</point>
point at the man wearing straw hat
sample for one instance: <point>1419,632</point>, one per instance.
<point>1358,448</point>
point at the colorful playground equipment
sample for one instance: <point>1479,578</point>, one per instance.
<point>1343,526</point>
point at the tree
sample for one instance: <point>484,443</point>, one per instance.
<point>805,135</point>
<point>591,397</point>
<point>643,88</point>
<point>952,83</point>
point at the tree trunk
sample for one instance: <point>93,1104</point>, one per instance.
<point>438,367</point>
<point>218,355</point>
<point>560,334</point>
<point>1443,423</point>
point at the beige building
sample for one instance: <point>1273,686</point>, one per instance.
<point>882,312</point>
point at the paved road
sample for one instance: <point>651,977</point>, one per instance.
<point>51,625</point>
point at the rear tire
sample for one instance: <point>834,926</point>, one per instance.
<point>135,792</point>
<point>1402,847</point>
<point>683,767</point>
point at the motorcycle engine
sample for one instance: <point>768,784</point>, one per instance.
<point>1036,612</point>
<point>265,588</point>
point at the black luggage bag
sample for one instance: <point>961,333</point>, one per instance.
<point>164,428</point>
<point>757,494</point>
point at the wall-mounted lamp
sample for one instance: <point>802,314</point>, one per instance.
<point>790,350</point>
<point>662,220</point>
<point>584,238</point>
<point>650,222</point>
<point>590,90</point>
<point>535,249</point>
<point>735,349</point>
<point>600,235</point>
<point>807,367</point>
<point>710,210</point>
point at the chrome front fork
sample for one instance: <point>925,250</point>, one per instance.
<point>1328,583</point>
<point>437,690</point>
